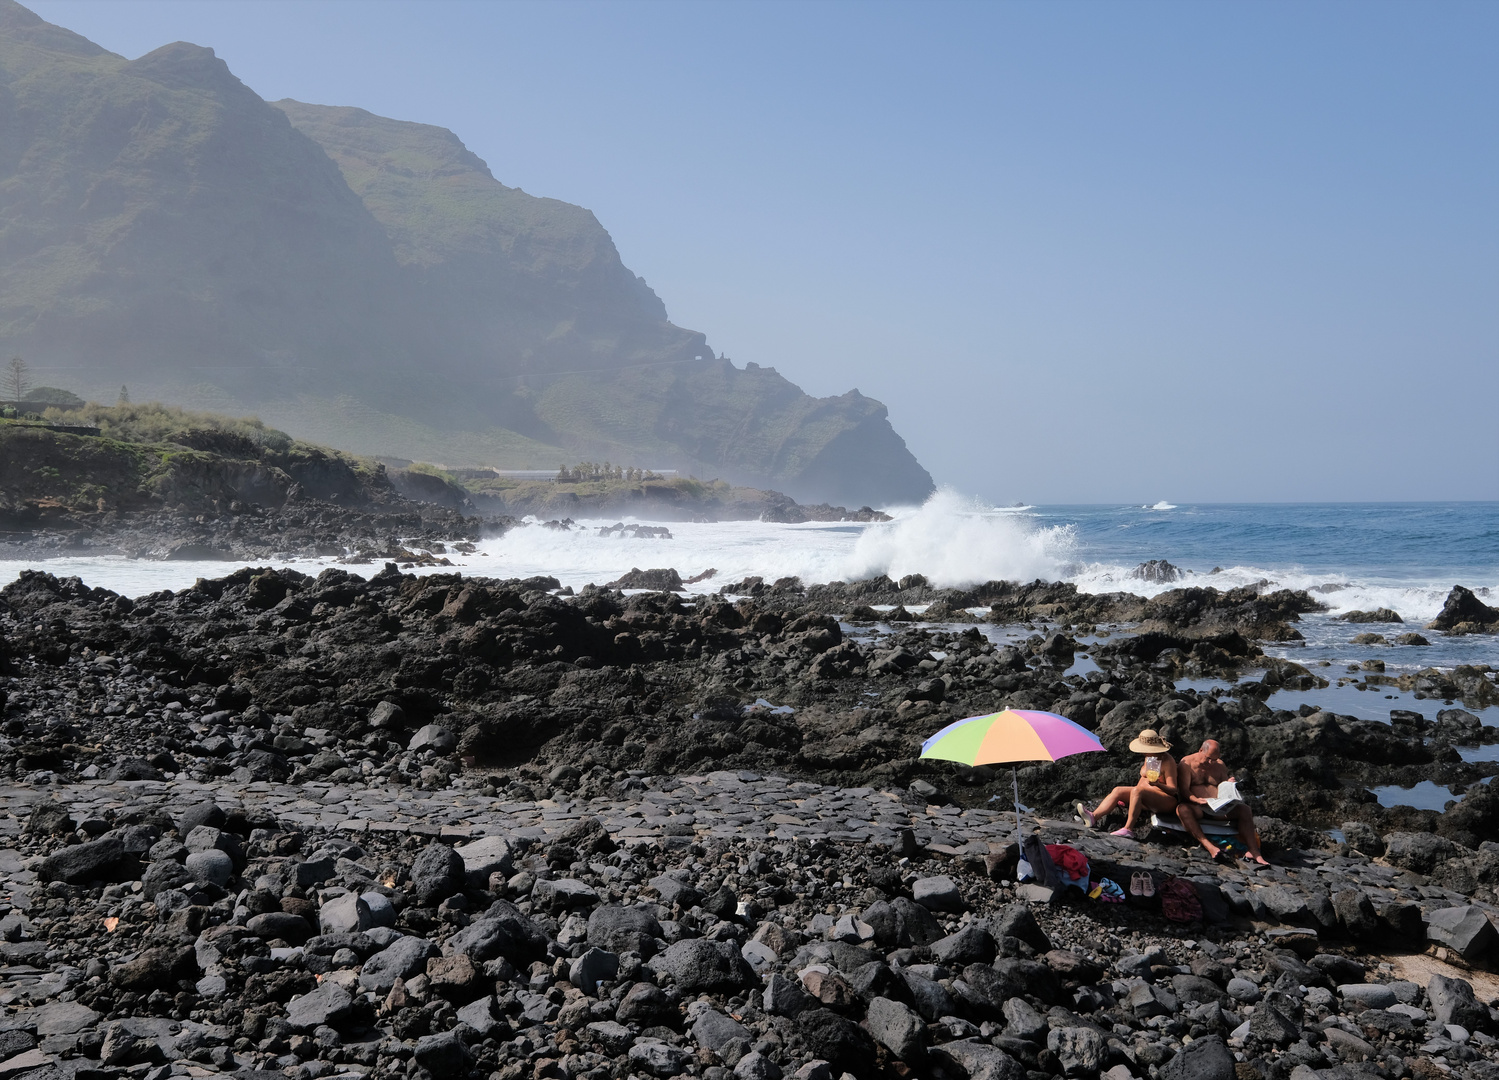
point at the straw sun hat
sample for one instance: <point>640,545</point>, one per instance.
<point>1149,742</point>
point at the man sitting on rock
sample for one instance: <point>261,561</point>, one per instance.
<point>1198,776</point>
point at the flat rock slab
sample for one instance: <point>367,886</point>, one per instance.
<point>63,1018</point>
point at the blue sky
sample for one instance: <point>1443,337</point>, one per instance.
<point>1084,252</point>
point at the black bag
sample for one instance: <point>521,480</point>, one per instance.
<point>1042,870</point>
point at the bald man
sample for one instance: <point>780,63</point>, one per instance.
<point>1198,777</point>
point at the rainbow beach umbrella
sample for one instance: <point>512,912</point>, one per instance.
<point>1012,735</point>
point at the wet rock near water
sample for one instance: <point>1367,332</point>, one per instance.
<point>410,533</point>
<point>1465,613</point>
<point>272,675</point>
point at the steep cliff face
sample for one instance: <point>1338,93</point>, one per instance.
<point>163,226</point>
<point>157,216</point>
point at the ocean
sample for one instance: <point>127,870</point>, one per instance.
<point>1404,556</point>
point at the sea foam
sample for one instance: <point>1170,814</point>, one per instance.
<point>954,540</point>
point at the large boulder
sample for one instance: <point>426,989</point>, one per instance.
<point>1475,818</point>
<point>1465,930</point>
<point>1421,852</point>
<point>403,958</point>
<point>1016,921</point>
<point>1206,1058</point>
<point>1355,911</point>
<point>589,836</point>
<point>714,1030</point>
<point>898,1028</point>
<point>484,856</point>
<point>1464,611</point>
<point>161,876</point>
<point>938,893</point>
<point>1079,1050</point>
<point>501,931</point>
<point>50,818</point>
<point>978,1060</point>
<point>1452,1001</point>
<point>282,925</point>
<point>623,929</point>
<point>901,923</point>
<point>210,867</point>
<point>971,945</point>
<point>563,894</point>
<point>646,1005</point>
<point>437,874</point>
<point>444,1055</point>
<point>698,965</point>
<point>99,860</point>
<point>330,1004</point>
<point>160,968</point>
<point>839,1041</point>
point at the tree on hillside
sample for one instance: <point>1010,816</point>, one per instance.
<point>55,396</point>
<point>124,396</point>
<point>16,380</point>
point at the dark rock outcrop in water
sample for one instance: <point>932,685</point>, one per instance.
<point>1464,613</point>
<point>1158,571</point>
<point>366,282</point>
<point>447,827</point>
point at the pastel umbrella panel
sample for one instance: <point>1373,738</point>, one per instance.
<point>1012,735</point>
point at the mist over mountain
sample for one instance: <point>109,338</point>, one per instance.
<point>365,282</point>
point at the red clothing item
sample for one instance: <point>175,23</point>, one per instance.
<point>1069,860</point>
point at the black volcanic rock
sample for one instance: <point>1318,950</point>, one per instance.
<point>1463,611</point>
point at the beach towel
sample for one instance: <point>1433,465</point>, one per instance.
<point>1108,891</point>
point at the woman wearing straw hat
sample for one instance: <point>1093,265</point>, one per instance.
<point>1155,792</point>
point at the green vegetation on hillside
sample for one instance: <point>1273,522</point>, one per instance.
<point>154,422</point>
<point>158,455</point>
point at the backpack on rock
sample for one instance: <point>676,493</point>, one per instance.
<point>1179,901</point>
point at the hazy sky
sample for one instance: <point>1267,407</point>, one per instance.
<point>1084,252</point>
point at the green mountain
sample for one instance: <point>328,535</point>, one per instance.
<point>365,282</point>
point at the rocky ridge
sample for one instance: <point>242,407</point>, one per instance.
<point>525,676</point>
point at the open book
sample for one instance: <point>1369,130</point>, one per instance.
<point>1227,798</point>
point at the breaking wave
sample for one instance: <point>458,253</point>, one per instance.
<point>954,540</point>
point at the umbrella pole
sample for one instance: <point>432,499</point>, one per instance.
<point>1015,779</point>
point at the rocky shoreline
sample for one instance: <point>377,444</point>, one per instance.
<point>438,825</point>
<point>712,925</point>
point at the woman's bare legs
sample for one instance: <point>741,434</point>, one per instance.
<point>1150,800</point>
<point>1120,796</point>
